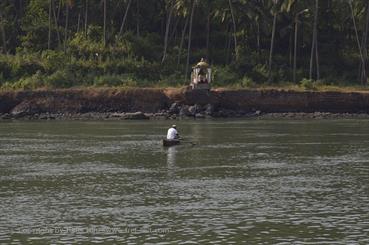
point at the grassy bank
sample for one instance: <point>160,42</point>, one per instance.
<point>55,69</point>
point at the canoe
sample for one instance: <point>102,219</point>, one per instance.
<point>167,142</point>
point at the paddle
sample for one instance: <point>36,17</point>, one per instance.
<point>188,142</point>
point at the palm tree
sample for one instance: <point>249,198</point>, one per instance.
<point>182,41</point>
<point>183,7</point>
<point>190,36</point>
<point>167,27</point>
<point>252,19</point>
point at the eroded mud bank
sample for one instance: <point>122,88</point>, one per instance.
<point>172,103</point>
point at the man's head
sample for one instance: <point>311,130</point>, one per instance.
<point>174,126</point>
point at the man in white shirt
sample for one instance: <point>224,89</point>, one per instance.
<point>172,133</point>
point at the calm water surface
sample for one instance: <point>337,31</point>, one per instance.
<point>245,181</point>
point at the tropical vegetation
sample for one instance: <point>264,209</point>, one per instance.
<point>68,43</point>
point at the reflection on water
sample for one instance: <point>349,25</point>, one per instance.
<point>171,157</point>
<point>260,181</point>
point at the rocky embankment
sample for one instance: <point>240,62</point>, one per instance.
<point>179,103</point>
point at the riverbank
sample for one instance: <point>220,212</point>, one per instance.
<point>164,116</point>
<point>145,103</point>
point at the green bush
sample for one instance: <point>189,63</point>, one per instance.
<point>53,60</point>
<point>61,79</point>
<point>259,73</point>
<point>307,84</point>
<point>86,48</point>
<point>247,82</point>
<point>93,48</point>
<point>139,67</point>
<point>33,82</point>
<point>21,65</point>
<point>224,76</point>
<point>110,80</point>
<point>174,80</point>
<point>2,80</point>
<point>5,68</point>
<point>148,47</point>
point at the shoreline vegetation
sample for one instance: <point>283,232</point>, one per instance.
<point>123,43</point>
<point>66,59</point>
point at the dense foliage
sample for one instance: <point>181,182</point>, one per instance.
<point>64,43</point>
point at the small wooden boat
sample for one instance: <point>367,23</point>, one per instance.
<point>167,142</point>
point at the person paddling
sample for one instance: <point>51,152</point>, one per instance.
<point>173,133</point>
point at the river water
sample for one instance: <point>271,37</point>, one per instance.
<point>233,181</point>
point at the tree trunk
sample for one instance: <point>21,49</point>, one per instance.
<point>189,38</point>
<point>314,41</point>
<point>208,36</point>
<point>290,49</point>
<point>104,37</point>
<point>317,57</point>
<point>138,18</point>
<point>228,45</point>
<point>258,37</point>
<point>78,22</point>
<point>3,33</point>
<point>59,9</point>
<point>20,7</point>
<point>363,45</point>
<point>182,41</point>
<point>271,47</point>
<point>167,33</point>
<point>19,11</point>
<point>357,40</point>
<point>173,35</point>
<point>86,18</point>
<point>295,51</point>
<point>66,27</point>
<point>49,34</point>
<point>56,24</point>
<point>234,28</point>
<point>124,18</point>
